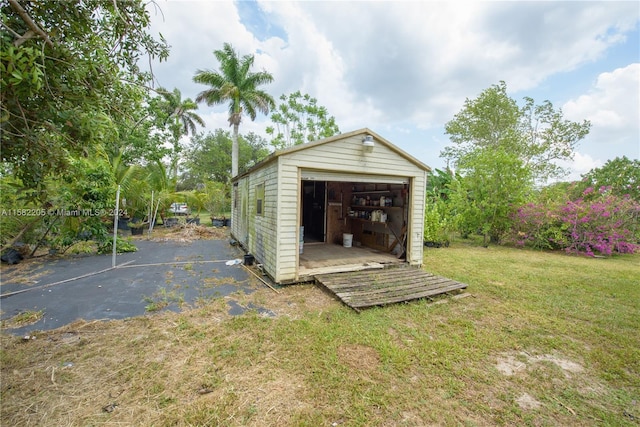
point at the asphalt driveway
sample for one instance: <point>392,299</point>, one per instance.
<point>167,271</point>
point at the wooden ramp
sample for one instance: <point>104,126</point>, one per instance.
<point>369,288</point>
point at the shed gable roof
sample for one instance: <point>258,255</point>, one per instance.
<point>329,140</point>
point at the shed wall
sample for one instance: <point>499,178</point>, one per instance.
<point>258,233</point>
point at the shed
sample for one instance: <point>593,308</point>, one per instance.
<point>352,201</point>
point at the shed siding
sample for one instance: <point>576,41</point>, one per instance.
<point>288,220</point>
<point>347,156</point>
<point>258,233</point>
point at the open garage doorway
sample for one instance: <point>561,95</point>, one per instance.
<point>374,216</point>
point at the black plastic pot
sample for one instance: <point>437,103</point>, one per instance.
<point>248,259</point>
<point>137,231</point>
<point>170,222</point>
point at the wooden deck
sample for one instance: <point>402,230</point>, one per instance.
<point>390,285</point>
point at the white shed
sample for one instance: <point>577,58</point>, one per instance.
<point>348,202</point>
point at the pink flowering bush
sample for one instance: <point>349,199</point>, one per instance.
<point>597,223</point>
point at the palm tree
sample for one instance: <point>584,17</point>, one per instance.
<point>238,85</point>
<point>181,120</point>
<point>181,111</point>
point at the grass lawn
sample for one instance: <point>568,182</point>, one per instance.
<point>544,339</point>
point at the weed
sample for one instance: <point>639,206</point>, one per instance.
<point>27,317</point>
<point>162,298</point>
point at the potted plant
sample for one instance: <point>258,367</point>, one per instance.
<point>215,202</point>
<point>137,227</point>
<point>197,200</point>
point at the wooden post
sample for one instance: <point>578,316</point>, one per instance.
<point>116,216</point>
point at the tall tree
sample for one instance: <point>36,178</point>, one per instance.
<point>537,134</point>
<point>299,119</point>
<point>236,84</point>
<point>181,111</point>
<point>501,150</point>
<point>207,158</point>
<point>62,72</point>
<point>181,120</point>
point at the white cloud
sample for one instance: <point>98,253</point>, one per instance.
<point>613,107</point>
<point>580,165</point>
<point>613,102</point>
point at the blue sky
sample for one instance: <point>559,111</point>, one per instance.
<point>403,69</point>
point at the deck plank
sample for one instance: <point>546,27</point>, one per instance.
<point>370,288</point>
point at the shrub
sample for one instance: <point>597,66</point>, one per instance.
<point>598,222</point>
<point>437,223</point>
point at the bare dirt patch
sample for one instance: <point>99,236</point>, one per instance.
<point>565,365</point>
<point>528,402</point>
<point>510,364</point>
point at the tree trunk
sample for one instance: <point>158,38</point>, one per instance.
<point>234,151</point>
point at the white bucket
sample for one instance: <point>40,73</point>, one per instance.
<point>347,239</point>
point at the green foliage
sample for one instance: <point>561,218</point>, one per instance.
<point>122,246</point>
<point>178,117</point>
<point>208,158</point>
<point>71,206</point>
<point>439,218</point>
<point>236,84</point>
<point>621,175</point>
<point>11,201</point>
<point>438,222</point>
<point>494,184</point>
<point>143,131</point>
<point>180,113</point>
<point>217,199</point>
<point>65,73</point>
<point>537,134</point>
<point>501,150</point>
<point>299,119</point>
<point>439,184</point>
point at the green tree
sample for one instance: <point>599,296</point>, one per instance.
<point>536,134</point>
<point>207,159</point>
<point>621,174</point>
<point>63,71</point>
<point>493,184</point>
<point>501,150</point>
<point>180,120</point>
<point>236,84</point>
<point>299,119</point>
<point>181,111</point>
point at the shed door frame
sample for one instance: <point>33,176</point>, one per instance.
<point>305,174</point>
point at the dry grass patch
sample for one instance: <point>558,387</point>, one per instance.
<point>359,357</point>
<point>185,233</point>
<point>23,273</point>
